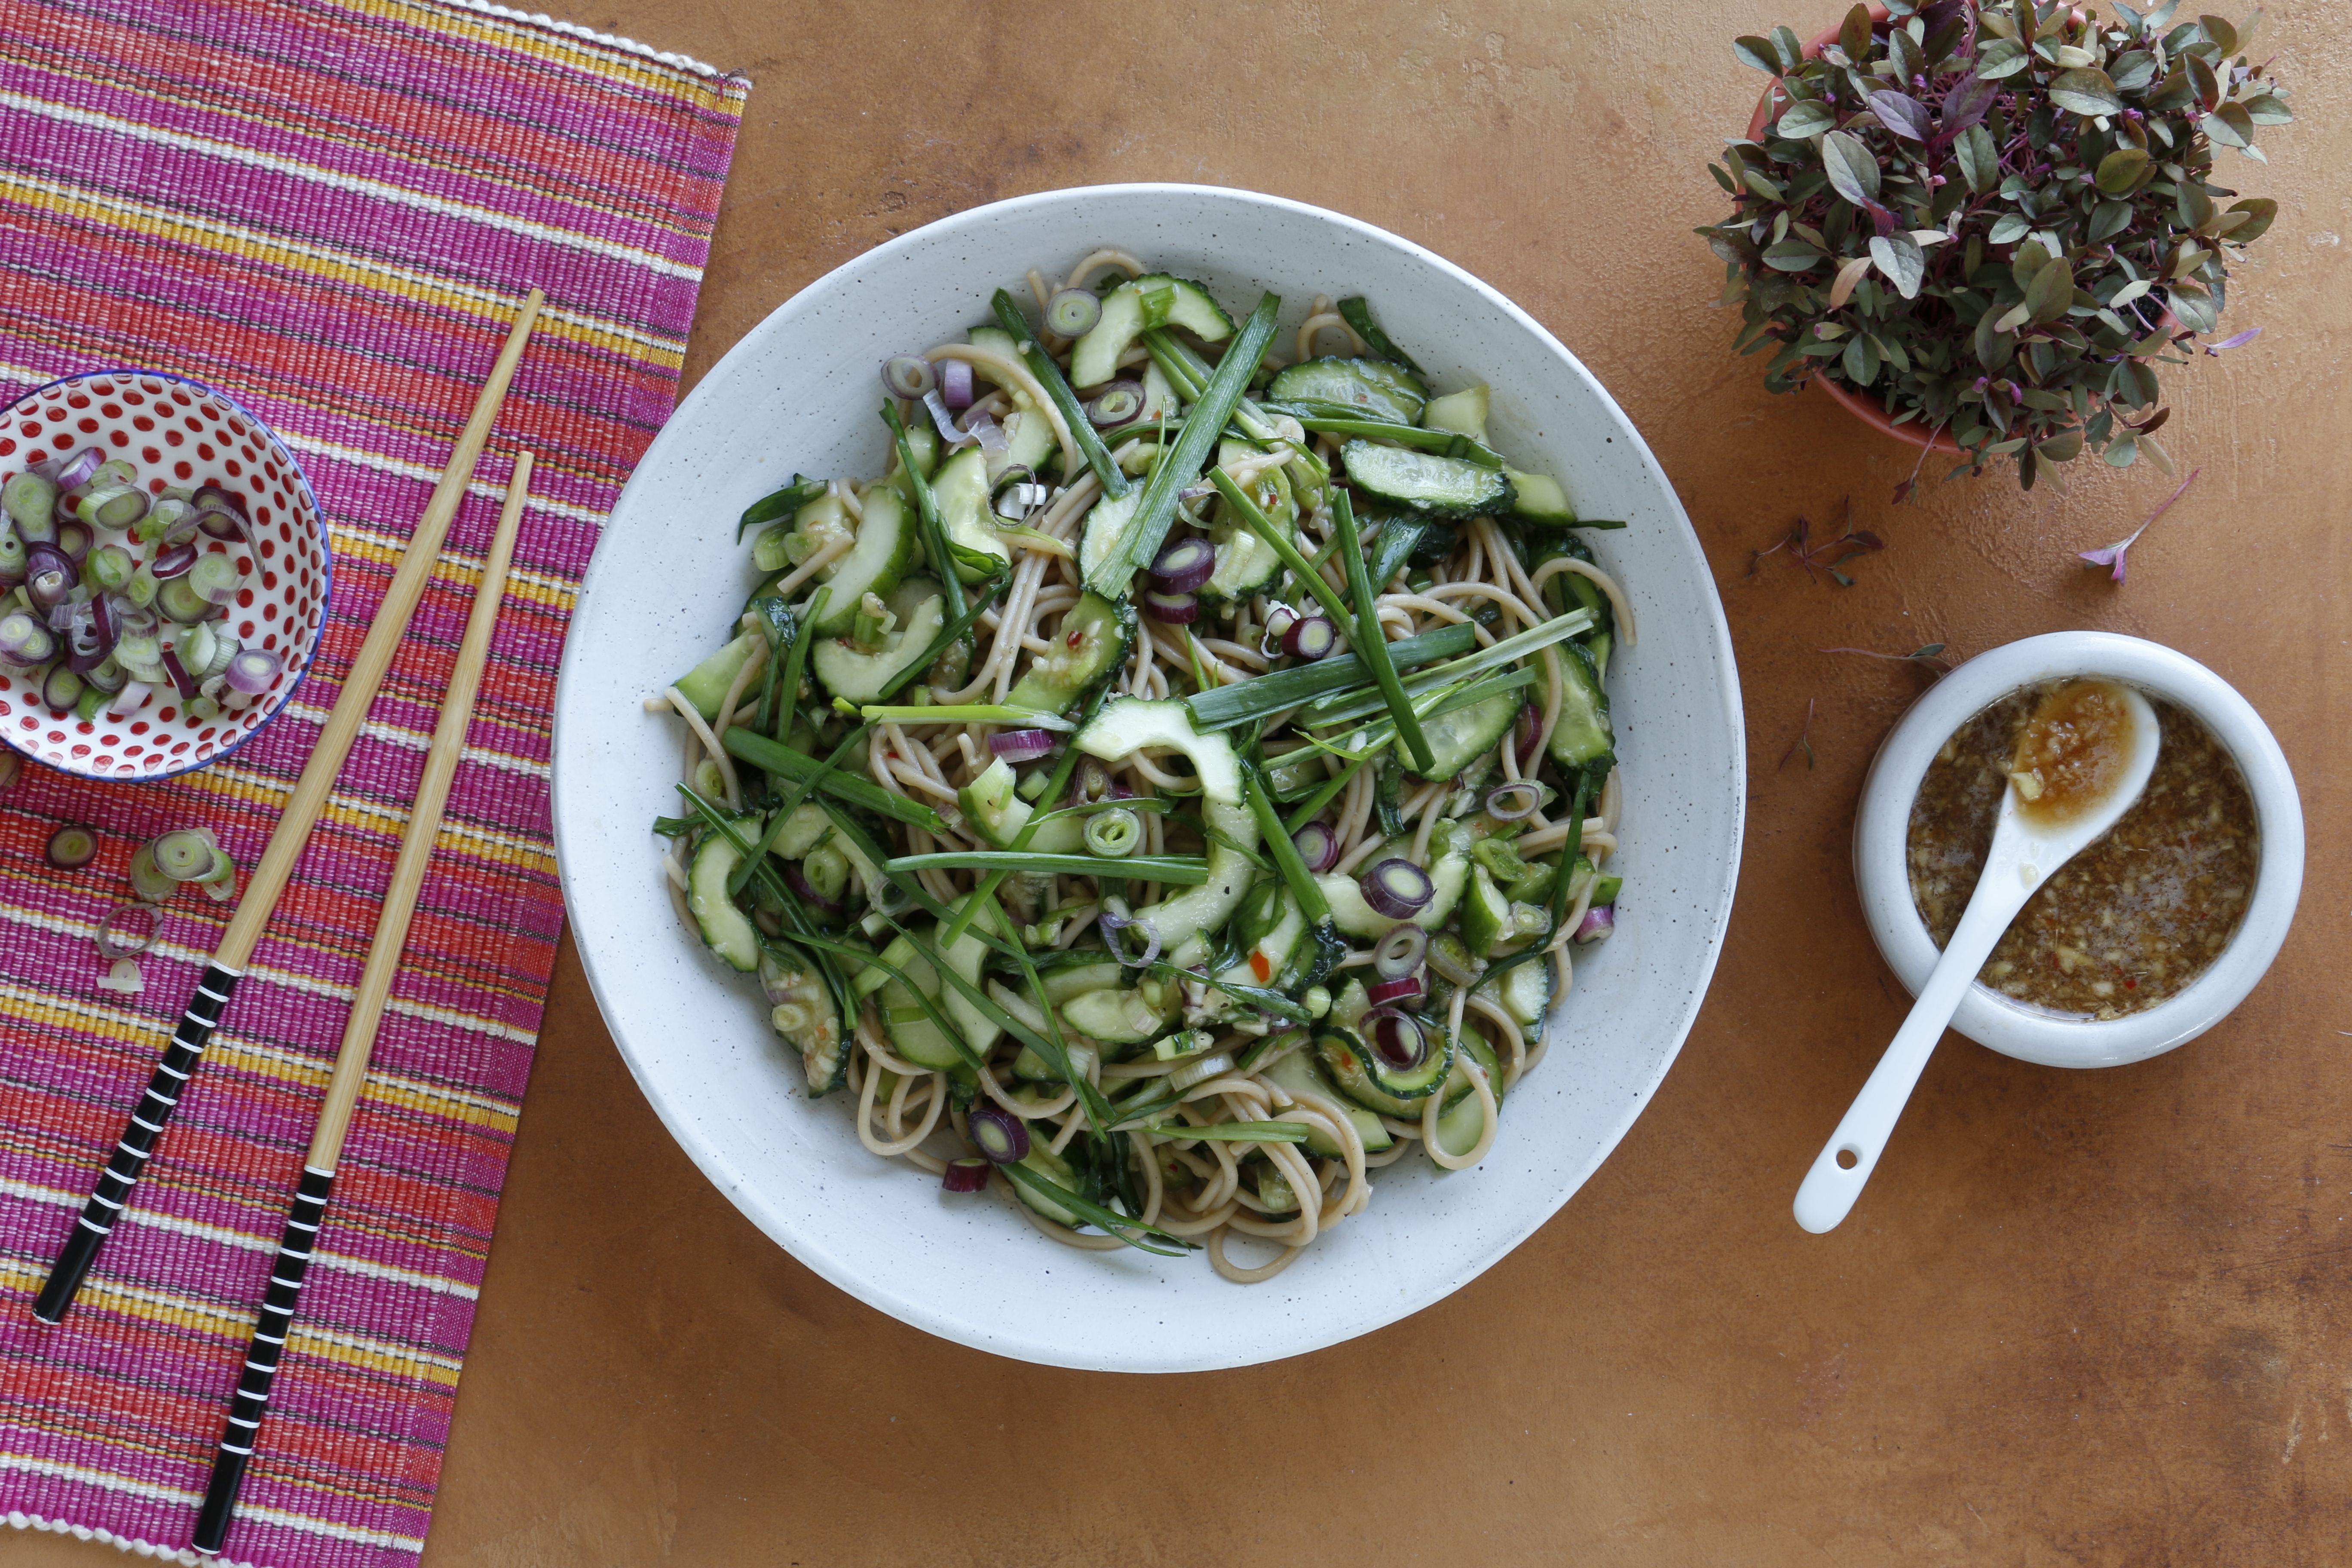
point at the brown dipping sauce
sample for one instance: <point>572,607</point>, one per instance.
<point>2133,919</point>
<point>2073,751</point>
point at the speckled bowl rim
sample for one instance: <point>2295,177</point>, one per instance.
<point>2001,1023</point>
<point>314,514</point>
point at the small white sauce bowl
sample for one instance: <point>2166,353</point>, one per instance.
<point>2036,1034</point>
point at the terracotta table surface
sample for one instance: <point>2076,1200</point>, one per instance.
<point>2077,1318</point>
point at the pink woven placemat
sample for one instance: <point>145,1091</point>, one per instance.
<point>327,209</point>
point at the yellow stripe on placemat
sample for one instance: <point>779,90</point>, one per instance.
<point>133,1030</point>
<point>149,222</point>
<point>235,1324</point>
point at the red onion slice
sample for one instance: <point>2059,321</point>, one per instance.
<point>1398,889</point>
<point>170,562</point>
<point>76,469</point>
<point>182,682</point>
<point>70,849</point>
<point>1072,312</point>
<point>1396,1037</point>
<point>1120,403</point>
<point>1400,952</point>
<point>113,944</point>
<point>1278,620</point>
<point>1001,1138</point>
<point>986,431</point>
<point>1022,745</point>
<point>130,698</point>
<point>955,383</point>
<point>1114,920</point>
<point>1599,921</point>
<point>1404,988</point>
<point>217,497</point>
<point>1185,565</point>
<point>25,641</point>
<point>1311,638</point>
<point>967,1174</point>
<point>797,881</point>
<point>944,422</point>
<point>1173,609</point>
<point>1510,802</point>
<point>251,670</point>
<point>1530,732</point>
<point>908,375</point>
<point>1318,846</point>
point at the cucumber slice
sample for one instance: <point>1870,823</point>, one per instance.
<point>1089,647</point>
<point>1055,1169</point>
<point>726,930</point>
<point>1475,1047</point>
<point>912,1034</point>
<point>1270,954</point>
<point>1582,736</point>
<point>1119,1016</point>
<point>1462,412</point>
<point>809,824</point>
<point>1107,528</point>
<point>960,488</point>
<point>1448,877</point>
<point>705,684</point>
<point>1128,724</point>
<point>1460,738</point>
<point>1458,1127</point>
<point>1523,992</point>
<point>1296,1072</point>
<point>859,674</point>
<point>1246,562</point>
<point>883,555</point>
<point>1208,906</point>
<point>1372,1082</point>
<point>1061,985</point>
<point>1356,388</point>
<point>1425,483</point>
<point>804,1015</point>
<point>996,340</point>
<point>1148,301</point>
<point>1539,498</point>
<point>991,807</point>
<point>1485,915</point>
<point>1028,441</point>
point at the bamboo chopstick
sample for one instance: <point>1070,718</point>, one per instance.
<point>309,1206</point>
<point>129,1160</point>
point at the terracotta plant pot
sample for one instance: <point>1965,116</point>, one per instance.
<point>1866,410</point>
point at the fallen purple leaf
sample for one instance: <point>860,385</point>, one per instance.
<point>2238,340</point>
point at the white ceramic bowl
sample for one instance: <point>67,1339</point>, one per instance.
<point>800,393</point>
<point>2034,1034</point>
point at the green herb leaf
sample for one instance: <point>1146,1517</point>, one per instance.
<point>1181,870</point>
<point>1805,119</point>
<point>2120,170</point>
<point>2085,90</point>
<point>1898,256</point>
<point>1853,169</point>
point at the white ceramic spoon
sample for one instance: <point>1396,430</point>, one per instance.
<point>2030,842</point>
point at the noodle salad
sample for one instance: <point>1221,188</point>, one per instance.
<point>1174,789</point>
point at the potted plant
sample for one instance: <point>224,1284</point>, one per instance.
<point>1981,226</point>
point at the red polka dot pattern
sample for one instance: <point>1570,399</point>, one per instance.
<point>230,450</point>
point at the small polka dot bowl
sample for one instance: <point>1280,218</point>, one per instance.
<point>179,438</point>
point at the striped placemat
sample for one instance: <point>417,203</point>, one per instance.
<point>328,209</point>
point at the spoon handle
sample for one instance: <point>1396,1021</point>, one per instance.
<point>1830,1188</point>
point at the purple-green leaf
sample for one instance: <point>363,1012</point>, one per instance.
<point>1903,114</point>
